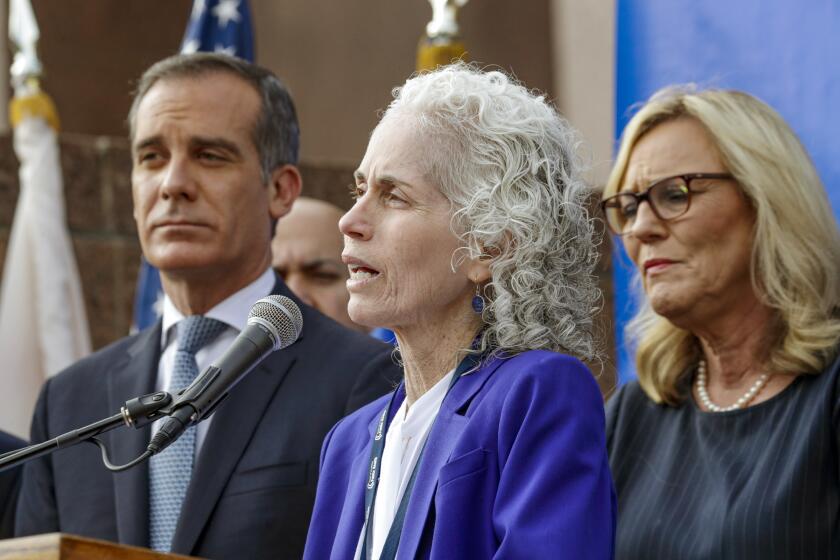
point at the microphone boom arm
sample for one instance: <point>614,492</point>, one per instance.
<point>274,322</point>
<point>136,413</point>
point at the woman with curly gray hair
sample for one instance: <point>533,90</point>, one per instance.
<point>470,239</point>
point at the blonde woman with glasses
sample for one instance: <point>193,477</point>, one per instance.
<point>727,445</point>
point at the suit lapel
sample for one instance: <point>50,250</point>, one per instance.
<point>132,377</point>
<point>228,438</point>
<point>445,433</point>
<point>352,518</point>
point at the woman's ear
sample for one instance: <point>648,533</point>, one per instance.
<point>478,269</point>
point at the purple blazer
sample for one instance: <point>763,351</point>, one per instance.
<point>515,467</point>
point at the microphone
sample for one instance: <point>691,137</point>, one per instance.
<point>274,322</point>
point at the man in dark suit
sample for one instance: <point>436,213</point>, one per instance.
<point>9,486</point>
<point>214,146</point>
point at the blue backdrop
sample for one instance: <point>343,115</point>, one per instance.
<point>787,53</point>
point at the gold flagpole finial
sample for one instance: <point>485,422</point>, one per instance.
<point>441,43</point>
<point>26,70</point>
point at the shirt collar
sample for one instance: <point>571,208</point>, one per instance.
<point>232,311</point>
<point>426,406</point>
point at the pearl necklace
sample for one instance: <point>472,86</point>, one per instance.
<point>742,402</point>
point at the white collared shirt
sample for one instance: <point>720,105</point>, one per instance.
<point>233,311</point>
<point>403,444</point>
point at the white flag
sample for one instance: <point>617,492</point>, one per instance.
<point>43,326</point>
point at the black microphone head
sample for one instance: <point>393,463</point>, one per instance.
<point>280,316</point>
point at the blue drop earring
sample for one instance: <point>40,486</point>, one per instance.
<point>478,300</point>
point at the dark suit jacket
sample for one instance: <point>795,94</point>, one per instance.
<point>9,486</point>
<point>515,466</point>
<point>253,485</point>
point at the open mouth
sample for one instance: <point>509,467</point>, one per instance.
<point>362,273</point>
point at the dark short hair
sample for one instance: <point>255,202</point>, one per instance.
<point>276,133</point>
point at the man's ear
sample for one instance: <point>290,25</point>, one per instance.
<point>283,188</point>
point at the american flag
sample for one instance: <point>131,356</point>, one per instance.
<point>222,26</point>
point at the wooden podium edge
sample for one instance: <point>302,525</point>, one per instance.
<point>59,546</point>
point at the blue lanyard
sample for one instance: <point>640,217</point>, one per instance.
<point>392,542</point>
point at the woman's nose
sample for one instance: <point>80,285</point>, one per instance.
<point>356,222</point>
<point>646,225</point>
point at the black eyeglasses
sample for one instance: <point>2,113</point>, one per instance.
<point>669,198</point>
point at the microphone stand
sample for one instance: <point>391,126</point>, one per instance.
<point>136,413</point>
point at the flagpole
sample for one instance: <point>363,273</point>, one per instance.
<point>43,324</point>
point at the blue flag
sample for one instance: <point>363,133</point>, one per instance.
<point>222,26</point>
<point>146,296</point>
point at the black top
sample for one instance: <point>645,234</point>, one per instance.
<point>761,482</point>
<point>9,486</point>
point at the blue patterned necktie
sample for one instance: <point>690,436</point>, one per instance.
<point>170,470</point>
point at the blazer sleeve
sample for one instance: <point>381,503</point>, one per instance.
<point>9,487</point>
<point>326,444</point>
<point>37,511</point>
<point>555,491</point>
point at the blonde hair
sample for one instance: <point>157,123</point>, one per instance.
<point>795,264</point>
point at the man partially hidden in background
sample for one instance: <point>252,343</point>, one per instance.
<point>306,253</point>
<point>214,146</point>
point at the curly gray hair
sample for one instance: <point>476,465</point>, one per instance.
<point>506,161</point>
